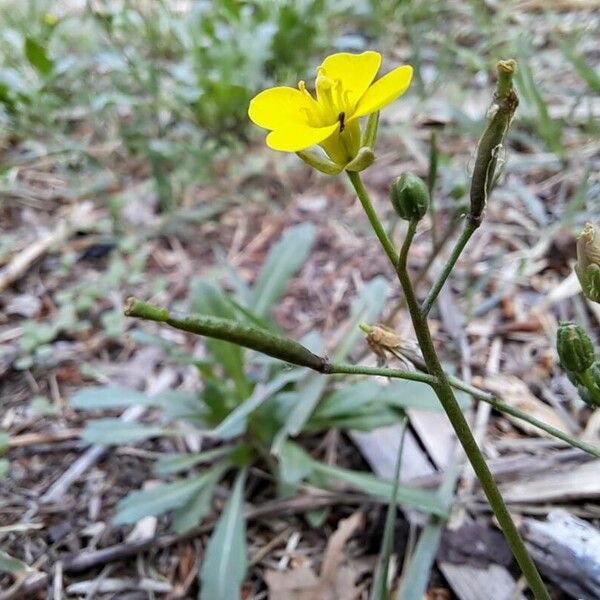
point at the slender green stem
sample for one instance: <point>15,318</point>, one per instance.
<point>422,272</point>
<point>431,177</point>
<point>336,369</point>
<point>459,423</point>
<point>523,416</point>
<point>439,246</point>
<point>436,288</point>
<point>372,216</point>
<point>459,384</point>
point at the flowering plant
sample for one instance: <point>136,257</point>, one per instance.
<point>346,91</point>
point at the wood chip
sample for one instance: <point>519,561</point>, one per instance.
<point>473,583</point>
<point>573,483</point>
<point>567,550</point>
<point>380,449</point>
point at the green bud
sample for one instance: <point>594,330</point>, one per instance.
<point>410,197</point>
<point>575,348</point>
<point>588,262</point>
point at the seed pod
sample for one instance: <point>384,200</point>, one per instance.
<point>575,348</point>
<point>242,334</point>
<point>491,142</point>
<point>588,262</point>
<point>409,197</point>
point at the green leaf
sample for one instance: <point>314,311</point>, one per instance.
<point>235,423</point>
<point>378,416</point>
<point>198,506</point>
<point>585,71</point>
<point>4,467</point>
<point>349,400</point>
<point>162,498</point>
<point>225,560</point>
<point>365,307</point>
<point>425,500</point>
<point>175,353</point>
<point>206,298</point>
<point>37,56</point>
<point>116,431</point>
<point>294,465</point>
<point>414,394</point>
<point>10,564</point>
<point>175,463</point>
<point>285,258</point>
<point>102,398</point>
<point>415,579</point>
<point>309,391</point>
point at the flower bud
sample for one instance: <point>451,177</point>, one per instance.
<point>588,262</point>
<point>410,197</point>
<point>575,348</point>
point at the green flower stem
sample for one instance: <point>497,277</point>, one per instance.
<point>439,246</point>
<point>459,384</point>
<point>446,396</point>
<point>372,216</point>
<point>523,416</point>
<point>336,369</point>
<point>436,288</point>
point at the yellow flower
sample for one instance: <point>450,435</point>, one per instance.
<point>345,92</point>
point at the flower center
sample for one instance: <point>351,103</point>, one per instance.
<point>332,99</point>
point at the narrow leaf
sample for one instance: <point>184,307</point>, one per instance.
<point>235,422</point>
<point>284,259</point>
<point>206,298</point>
<point>101,398</point>
<point>174,463</point>
<point>225,560</point>
<point>198,506</point>
<point>425,500</point>
<point>115,431</point>
<point>162,498</point>
<point>414,582</point>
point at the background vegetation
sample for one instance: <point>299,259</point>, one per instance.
<point>128,165</point>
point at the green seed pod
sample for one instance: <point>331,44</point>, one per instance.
<point>409,197</point>
<point>575,348</point>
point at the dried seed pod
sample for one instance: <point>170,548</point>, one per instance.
<point>588,262</point>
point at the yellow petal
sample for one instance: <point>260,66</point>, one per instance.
<point>298,137</point>
<point>280,106</point>
<point>355,72</point>
<point>384,91</point>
